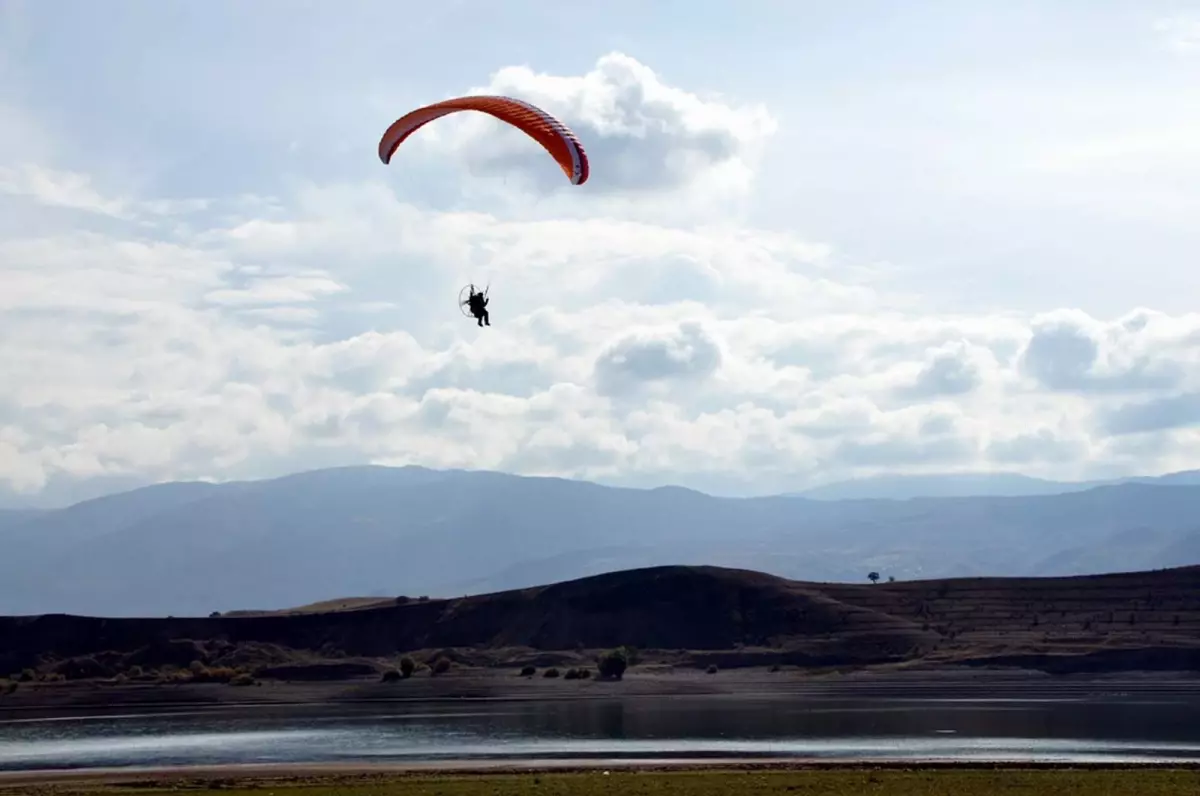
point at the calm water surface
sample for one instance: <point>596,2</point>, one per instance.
<point>1115,730</point>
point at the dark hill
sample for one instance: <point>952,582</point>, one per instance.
<point>704,614</point>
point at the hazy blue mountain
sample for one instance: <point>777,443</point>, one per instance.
<point>192,548</point>
<point>11,518</point>
<point>903,487</point>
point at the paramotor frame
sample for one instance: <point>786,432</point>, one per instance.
<point>464,298</point>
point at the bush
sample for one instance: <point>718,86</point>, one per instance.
<point>391,676</point>
<point>9,687</point>
<point>243,679</point>
<point>407,667</point>
<point>551,672</point>
<point>528,671</point>
<point>711,669</point>
<point>571,674</point>
<point>775,668</point>
<point>585,674</point>
<point>216,674</point>
<point>440,666</point>
<point>612,665</point>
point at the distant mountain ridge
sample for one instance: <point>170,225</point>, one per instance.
<point>194,548</point>
<point>904,487</point>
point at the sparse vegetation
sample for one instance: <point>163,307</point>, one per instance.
<point>911,781</point>
<point>612,665</point>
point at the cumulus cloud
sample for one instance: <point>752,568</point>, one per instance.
<point>1156,414</point>
<point>952,369</point>
<point>243,336</point>
<point>685,353</point>
<point>642,135</point>
<point>1070,351</point>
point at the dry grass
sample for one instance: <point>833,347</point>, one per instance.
<point>749,781</point>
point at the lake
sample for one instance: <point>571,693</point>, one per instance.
<point>1069,730</point>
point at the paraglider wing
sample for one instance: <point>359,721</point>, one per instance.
<point>553,135</point>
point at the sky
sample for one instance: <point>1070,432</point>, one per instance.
<point>819,241</point>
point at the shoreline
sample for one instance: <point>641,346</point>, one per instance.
<point>499,686</point>
<point>259,774</point>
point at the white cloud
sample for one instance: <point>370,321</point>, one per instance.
<point>648,142</point>
<point>58,189</point>
<point>236,336</point>
<point>1180,32</point>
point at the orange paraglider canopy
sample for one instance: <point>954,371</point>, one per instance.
<point>553,135</point>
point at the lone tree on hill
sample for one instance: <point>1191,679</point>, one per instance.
<point>873,577</point>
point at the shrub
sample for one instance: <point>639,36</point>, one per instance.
<point>551,672</point>
<point>585,674</point>
<point>243,679</point>
<point>775,667</point>
<point>528,671</point>
<point>711,669</point>
<point>391,676</point>
<point>571,674</point>
<point>407,667</point>
<point>216,674</point>
<point>612,665</point>
<point>440,666</point>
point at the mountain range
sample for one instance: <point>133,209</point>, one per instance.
<point>190,548</point>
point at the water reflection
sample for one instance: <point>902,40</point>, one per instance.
<point>691,727</point>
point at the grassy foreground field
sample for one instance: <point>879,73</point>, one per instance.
<point>745,782</point>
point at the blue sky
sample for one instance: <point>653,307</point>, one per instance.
<point>819,240</point>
